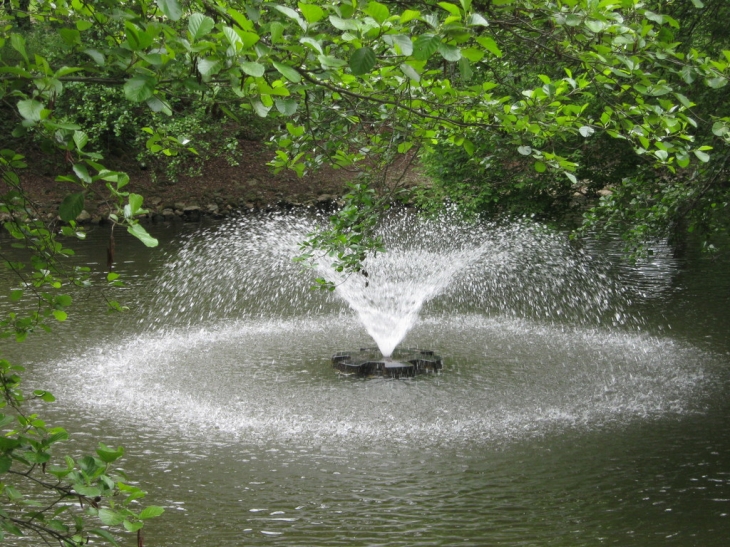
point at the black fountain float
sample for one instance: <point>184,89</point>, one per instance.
<point>405,362</point>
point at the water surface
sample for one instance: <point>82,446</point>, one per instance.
<point>583,399</point>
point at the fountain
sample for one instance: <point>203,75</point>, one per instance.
<point>552,390</point>
<point>518,269</point>
<point>534,332</point>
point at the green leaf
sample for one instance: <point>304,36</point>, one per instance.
<point>362,61</point>
<point>684,100</point>
<point>60,315</point>
<point>208,67</point>
<point>411,72</point>
<point>260,109</point>
<point>288,72</point>
<point>132,526</point>
<point>140,233</point>
<point>311,12</point>
<point>682,160</point>
<point>71,36</point>
<point>651,16</point>
<point>343,24</point>
<point>110,517</point>
<point>109,455</point>
<point>253,69</point>
<point>89,491</point>
<point>151,512</point>
<point>15,70</point>
<point>199,25</point>
<point>377,11</point>
<point>453,9</point>
<point>525,150</point>
<point>18,43</point>
<point>473,54</point>
<point>314,44</point>
<point>409,15</point>
<point>66,70</point>
<point>586,131</point>
<point>30,109</point>
<point>139,88</point>
<point>490,45</point>
<point>402,43</point>
<point>449,52</point>
<point>158,105</point>
<point>425,46</point>
<point>46,396</point>
<point>171,9</point>
<point>80,139</point>
<point>233,38</point>
<point>717,83</point>
<point>59,435</point>
<point>288,107</point>
<point>540,167</point>
<point>16,295</point>
<point>134,206</point>
<point>475,20</point>
<point>71,207</point>
<point>137,39</point>
<point>596,26</point>
<point>291,14</point>
<point>276,32</point>
<point>248,39</point>
<point>720,128</point>
<point>702,156</point>
<point>96,55</point>
<point>5,463</point>
<point>328,61</point>
<point>431,19</point>
<point>82,172</point>
<point>240,19</point>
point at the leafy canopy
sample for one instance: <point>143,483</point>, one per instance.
<point>360,83</point>
<point>364,86</point>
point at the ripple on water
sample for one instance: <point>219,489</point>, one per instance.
<point>239,345</point>
<point>503,380</point>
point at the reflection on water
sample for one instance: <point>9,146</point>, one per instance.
<point>543,429</point>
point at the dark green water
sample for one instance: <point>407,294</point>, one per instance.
<point>563,432</point>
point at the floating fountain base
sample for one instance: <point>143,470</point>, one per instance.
<point>403,363</point>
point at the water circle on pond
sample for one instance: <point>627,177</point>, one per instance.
<point>535,335</point>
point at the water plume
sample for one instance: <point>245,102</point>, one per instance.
<point>244,268</point>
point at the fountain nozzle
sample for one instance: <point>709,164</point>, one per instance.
<point>403,362</point>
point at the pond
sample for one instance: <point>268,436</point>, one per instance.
<point>583,400</point>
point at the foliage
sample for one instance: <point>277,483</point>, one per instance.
<point>57,499</point>
<point>653,194</point>
<point>362,83</point>
<point>351,236</point>
<point>526,89</point>
<point>117,128</point>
